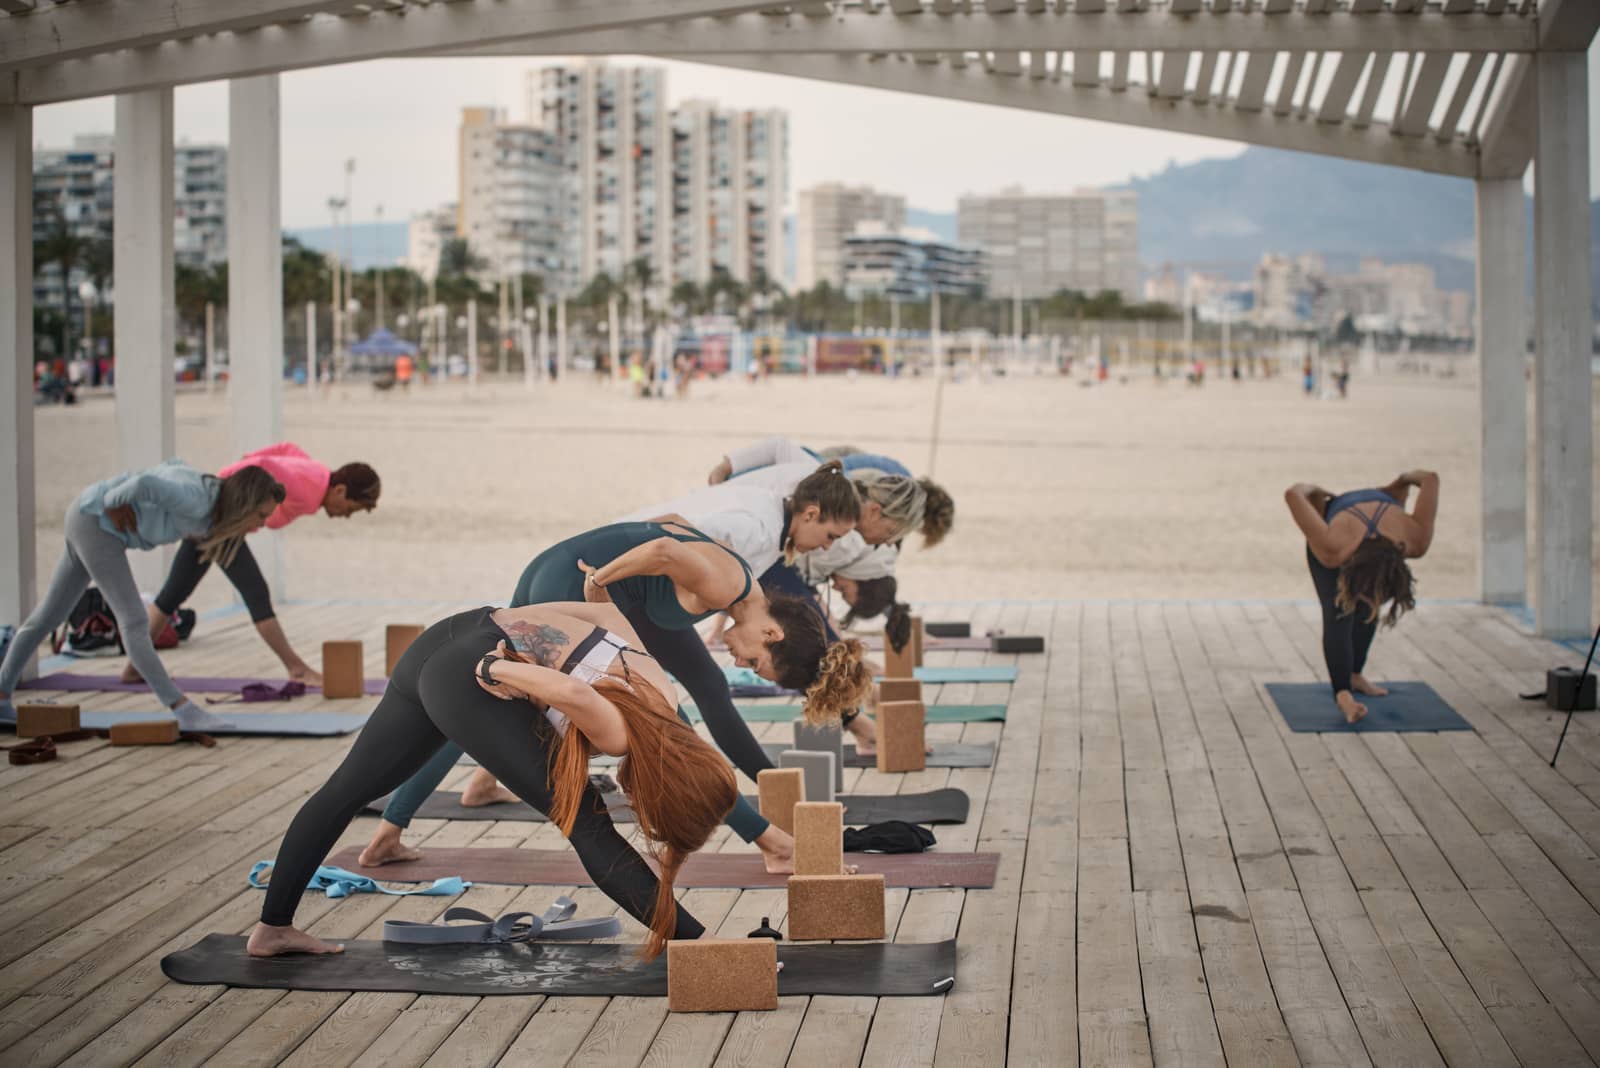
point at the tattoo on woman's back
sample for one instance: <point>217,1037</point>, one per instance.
<point>539,640</point>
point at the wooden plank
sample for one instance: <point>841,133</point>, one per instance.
<point>1182,1027</point>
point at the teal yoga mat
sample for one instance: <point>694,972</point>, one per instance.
<point>783,713</point>
<point>316,724</point>
<point>1410,706</point>
<point>976,673</point>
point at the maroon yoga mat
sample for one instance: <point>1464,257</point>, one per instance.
<point>560,867</point>
<point>74,682</point>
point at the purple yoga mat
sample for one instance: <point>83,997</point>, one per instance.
<point>560,867</point>
<point>74,682</point>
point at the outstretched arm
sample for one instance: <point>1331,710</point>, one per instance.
<point>1427,508</point>
<point>714,581</point>
<point>1308,517</point>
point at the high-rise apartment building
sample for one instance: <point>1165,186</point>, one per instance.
<point>1037,244</point>
<point>75,185</point>
<point>909,264</point>
<point>613,136</point>
<point>510,195</point>
<point>828,214</point>
<point>729,185</point>
<point>426,234</point>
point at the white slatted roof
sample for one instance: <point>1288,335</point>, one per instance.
<point>1436,85</point>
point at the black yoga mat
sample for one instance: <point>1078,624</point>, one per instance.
<point>874,969</point>
<point>944,755</point>
<point>1410,706</point>
<point>948,805</point>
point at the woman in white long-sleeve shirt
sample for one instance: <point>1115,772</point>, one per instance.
<point>141,510</point>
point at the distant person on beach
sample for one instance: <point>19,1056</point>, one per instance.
<point>1357,545</point>
<point>402,370</point>
<point>1308,377</point>
<point>141,510</point>
<point>308,487</point>
<point>1343,379</point>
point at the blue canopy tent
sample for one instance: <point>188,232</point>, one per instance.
<point>379,349</point>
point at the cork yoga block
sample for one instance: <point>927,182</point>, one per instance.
<point>895,689</point>
<point>722,975</point>
<point>835,906</point>
<point>155,732</point>
<point>343,670</point>
<point>902,736</point>
<point>819,838</point>
<point>898,665</point>
<point>37,718</point>
<point>916,641</point>
<point>397,638</point>
<point>818,768</point>
<point>781,790</point>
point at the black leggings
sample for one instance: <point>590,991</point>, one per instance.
<point>188,569</point>
<point>683,655</point>
<point>1346,636</point>
<point>433,696</point>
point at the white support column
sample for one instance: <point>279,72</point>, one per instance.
<point>142,248</point>
<point>18,563</point>
<point>1564,383</point>
<point>255,286</point>
<point>1502,391</point>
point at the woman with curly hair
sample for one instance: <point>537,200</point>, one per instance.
<point>665,578</point>
<point>575,682</point>
<point>1357,545</point>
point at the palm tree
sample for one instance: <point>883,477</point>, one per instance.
<point>687,295</point>
<point>458,259</point>
<point>63,247</point>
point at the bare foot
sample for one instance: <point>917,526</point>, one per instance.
<point>304,674</point>
<point>777,850</point>
<point>1354,711</point>
<point>387,848</point>
<point>482,789</point>
<point>131,673</point>
<point>866,734</point>
<point>274,941</point>
<point>1359,684</point>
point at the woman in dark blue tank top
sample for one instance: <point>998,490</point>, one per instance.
<point>665,577</point>
<point>1357,545</point>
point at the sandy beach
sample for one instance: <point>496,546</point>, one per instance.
<point>1063,491</point>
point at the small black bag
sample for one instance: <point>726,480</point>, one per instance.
<point>91,628</point>
<point>891,836</point>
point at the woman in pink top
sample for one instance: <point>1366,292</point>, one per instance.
<point>308,486</point>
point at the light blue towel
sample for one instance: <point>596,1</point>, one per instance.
<point>341,883</point>
<point>742,676</point>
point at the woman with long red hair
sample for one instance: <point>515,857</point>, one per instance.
<point>531,693</point>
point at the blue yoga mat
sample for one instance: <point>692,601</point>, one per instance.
<point>1410,706</point>
<point>976,673</point>
<point>320,724</point>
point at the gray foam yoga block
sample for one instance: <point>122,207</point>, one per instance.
<point>818,769</point>
<point>823,740</point>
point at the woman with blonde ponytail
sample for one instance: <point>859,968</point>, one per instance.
<point>575,682</point>
<point>141,510</point>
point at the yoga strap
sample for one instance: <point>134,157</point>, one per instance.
<point>337,882</point>
<point>555,924</point>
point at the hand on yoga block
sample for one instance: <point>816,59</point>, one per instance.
<point>722,975</point>
<point>902,736</point>
<point>819,838</point>
<point>343,669</point>
<point>154,732</point>
<point>397,638</point>
<point>835,906</point>
<point>35,719</point>
<point>780,790</point>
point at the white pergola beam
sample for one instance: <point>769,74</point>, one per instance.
<point>1336,104</point>
<point>67,31</point>
<point>1156,30</point>
<point>323,41</point>
<point>18,562</point>
<point>142,273</point>
<point>255,283</point>
<point>1564,381</point>
<point>1372,145</point>
<point>1412,120</point>
<point>1458,100</point>
<point>1508,130</point>
<point>1501,329</point>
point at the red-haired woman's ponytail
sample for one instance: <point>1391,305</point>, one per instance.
<point>664,913</point>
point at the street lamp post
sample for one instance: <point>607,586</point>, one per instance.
<point>86,293</point>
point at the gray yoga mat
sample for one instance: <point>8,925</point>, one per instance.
<point>76,682</point>
<point>871,969</point>
<point>316,724</point>
<point>948,805</point>
<point>1410,706</point>
<point>944,755</point>
<point>783,713</point>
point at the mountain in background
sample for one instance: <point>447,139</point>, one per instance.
<point>371,244</point>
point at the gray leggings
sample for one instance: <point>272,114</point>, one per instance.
<point>91,556</point>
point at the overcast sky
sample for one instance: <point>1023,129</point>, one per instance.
<point>398,118</point>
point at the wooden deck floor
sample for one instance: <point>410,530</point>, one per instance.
<point>1182,879</point>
